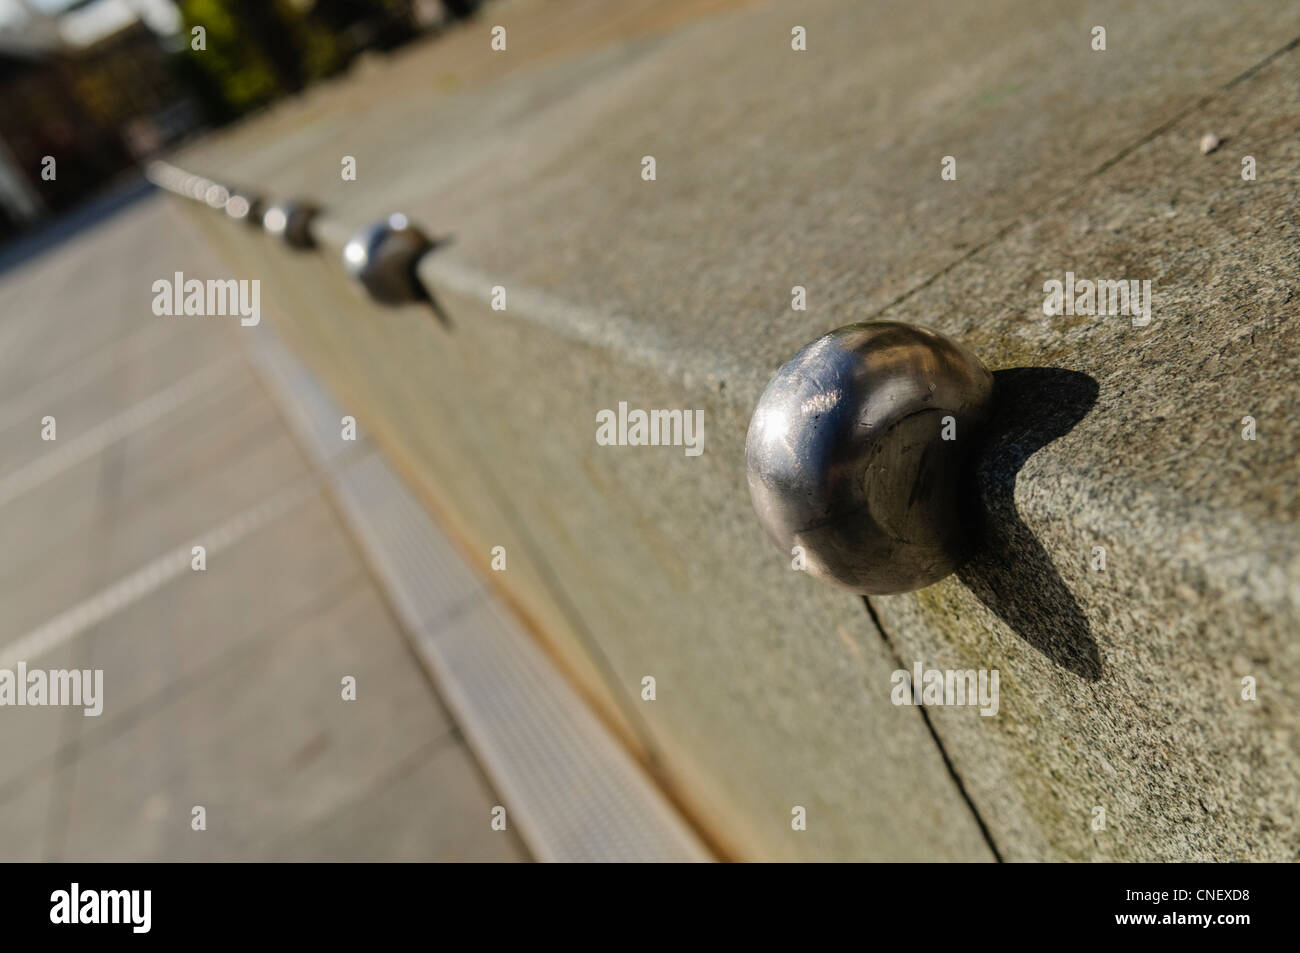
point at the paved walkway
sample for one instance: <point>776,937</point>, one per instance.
<point>221,688</point>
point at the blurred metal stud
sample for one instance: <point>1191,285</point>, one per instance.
<point>245,208</point>
<point>198,188</point>
<point>382,256</point>
<point>851,455</point>
<point>289,220</point>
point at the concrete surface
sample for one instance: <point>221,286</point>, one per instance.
<point>1124,687</point>
<point>823,169</point>
<point>221,688</point>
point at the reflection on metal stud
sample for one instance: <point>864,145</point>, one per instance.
<point>243,207</point>
<point>289,220</point>
<point>382,256</point>
<point>859,453</point>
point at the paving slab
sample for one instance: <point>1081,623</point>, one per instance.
<point>434,807</point>
<point>165,645</point>
<point>266,743</point>
<point>193,475</point>
<point>95,292</point>
<point>221,687</point>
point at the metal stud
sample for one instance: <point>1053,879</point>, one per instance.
<point>289,220</point>
<point>216,196</point>
<point>382,256</point>
<point>246,208</point>
<point>859,453</point>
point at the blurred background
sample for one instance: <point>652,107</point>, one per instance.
<point>106,84</point>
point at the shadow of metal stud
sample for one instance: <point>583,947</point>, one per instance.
<point>289,220</point>
<point>382,256</point>
<point>859,453</point>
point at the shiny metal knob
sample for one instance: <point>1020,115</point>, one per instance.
<point>216,196</point>
<point>246,208</point>
<point>195,186</point>
<point>289,220</point>
<point>382,256</point>
<point>859,453</point>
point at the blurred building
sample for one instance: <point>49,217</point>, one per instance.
<point>20,203</point>
<point>90,87</point>
<point>102,84</point>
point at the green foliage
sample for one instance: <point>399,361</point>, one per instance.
<point>258,50</point>
<point>240,70</point>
